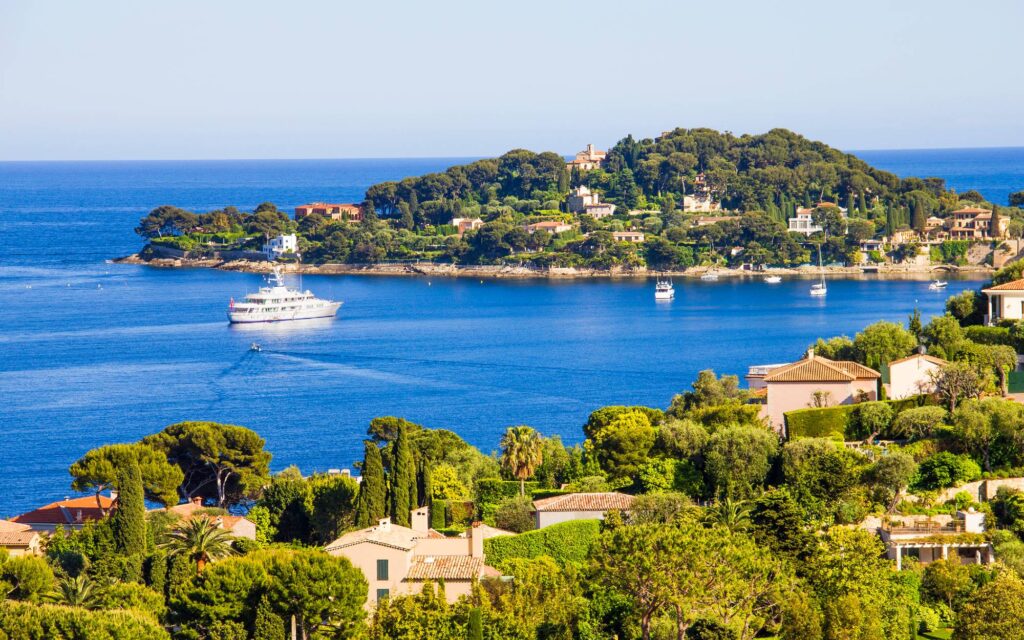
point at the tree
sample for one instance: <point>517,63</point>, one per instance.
<point>78,591</point>
<point>818,471</point>
<point>129,519</point>
<point>370,502</point>
<point>97,471</point>
<point>403,479</point>
<point>221,461</point>
<point>1016,199</point>
<point>26,578</point>
<point>475,630</point>
<point>948,582</point>
<point>918,217</point>
<point>521,453</point>
<point>918,422</point>
<point>995,223</point>
<point>956,381</point>
<point>996,610</point>
<point>892,474</point>
<point>267,625</point>
<point>623,444</point>
<point>987,427</point>
<point>324,594</point>
<point>738,459</point>
<point>777,521</point>
<point>200,540</point>
<point>873,418</point>
<point>881,343</point>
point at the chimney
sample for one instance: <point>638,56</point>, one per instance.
<point>420,519</point>
<point>113,495</point>
<point>476,541</point>
<point>197,500</point>
<point>384,524</point>
<point>810,354</point>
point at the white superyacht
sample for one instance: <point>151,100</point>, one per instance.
<point>278,303</point>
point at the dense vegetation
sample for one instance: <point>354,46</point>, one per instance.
<point>761,178</point>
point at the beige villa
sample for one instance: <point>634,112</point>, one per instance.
<point>19,539</point>
<point>1005,301</point>
<point>930,538</point>
<point>551,226</point>
<point>815,382</point>
<point>398,560</point>
<point>913,375</point>
<point>579,506</point>
<point>587,160</point>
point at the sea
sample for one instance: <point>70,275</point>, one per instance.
<point>93,352</point>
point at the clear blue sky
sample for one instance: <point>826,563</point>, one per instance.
<point>335,78</point>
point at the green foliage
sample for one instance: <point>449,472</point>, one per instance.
<point>945,469</point>
<point>129,519</point>
<point>97,471</point>
<point>566,542</point>
<point>134,596</point>
<point>370,502</point>
<point>267,625</point>
<point>967,307</point>
<point>828,422</point>
<point>881,343</point>
<point>515,514</point>
<point>738,459</point>
<point>819,472</point>
<point>199,540</point>
<point>23,621</point>
<point>475,630</point>
<point>446,484</point>
<point>918,422</point>
<point>25,578</point>
<point>996,610</point>
<point>402,485</point>
<point>521,453</point>
<point>871,419</point>
<point>623,444</point>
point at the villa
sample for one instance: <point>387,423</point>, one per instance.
<point>346,211</point>
<point>235,526</point>
<point>636,237</point>
<point>583,200</point>
<point>281,246</point>
<point>462,225</point>
<point>974,223</point>
<point>815,382</point>
<point>803,222</point>
<point>588,159</point>
<point>398,560</point>
<point>1005,301</point>
<point>19,539</point>
<point>705,221</point>
<point>701,200</point>
<point>551,226</point>
<point>912,376</point>
<point>931,538</point>
<point>70,513</point>
<point>579,506</point>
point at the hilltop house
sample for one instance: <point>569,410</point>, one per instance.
<point>551,226</point>
<point>235,526</point>
<point>398,560</point>
<point>462,225</point>
<point>281,246</point>
<point>71,513</point>
<point>588,159</point>
<point>636,237</point>
<point>912,375</point>
<point>701,200</point>
<point>583,200</point>
<point>704,221</point>
<point>579,506</point>
<point>974,223</point>
<point>815,382</point>
<point>930,538</point>
<point>1005,301</point>
<point>803,221</point>
<point>19,539</point>
<point>345,211</point>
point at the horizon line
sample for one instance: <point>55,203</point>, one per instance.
<point>451,157</point>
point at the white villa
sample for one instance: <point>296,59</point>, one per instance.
<point>280,246</point>
<point>803,222</point>
<point>912,375</point>
<point>1005,301</point>
<point>583,200</point>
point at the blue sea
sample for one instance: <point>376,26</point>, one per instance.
<point>94,353</point>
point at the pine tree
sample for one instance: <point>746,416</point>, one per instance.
<point>370,499</point>
<point>128,522</point>
<point>267,624</point>
<point>403,479</point>
<point>475,628</point>
<point>993,230</point>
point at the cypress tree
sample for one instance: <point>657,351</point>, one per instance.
<point>918,218</point>
<point>849,204</point>
<point>267,624</point>
<point>128,522</point>
<point>862,205</point>
<point>890,220</point>
<point>370,499</point>
<point>993,229</point>
<point>403,479</point>
<point>475,628</point>
<point>426,485</point>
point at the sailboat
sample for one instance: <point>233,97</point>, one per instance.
<point>819,288</point>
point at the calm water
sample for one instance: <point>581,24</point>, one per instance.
<point>92,353</point>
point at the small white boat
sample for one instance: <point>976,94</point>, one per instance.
<point>819,289</point>
<point>938,285</point>
<point>709,276</point>
<point>664,290</point>
<point>773,279</point>
<point>255,347</point>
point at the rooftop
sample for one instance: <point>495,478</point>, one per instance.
<point>1016,285</point>
<point>585,502</point>
<point>68,511</point>
<point>923,356</point>
<point>384,533</point>
<point>17,538</point>
<point>818,369</point>
<point>447,568</point>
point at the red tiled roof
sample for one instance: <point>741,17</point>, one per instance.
<point>1015,285</point>
<point>447,568</point>
<point>70,511</point>
<point>818,369</point>
<point>974,210</point>
<point>6,526</point>
<point>585,502</point>
<point>17,538</point>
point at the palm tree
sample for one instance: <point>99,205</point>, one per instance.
<point>521,453</point>
<point>732,514</point>
<point>201,540</point>
<point>79,591</point>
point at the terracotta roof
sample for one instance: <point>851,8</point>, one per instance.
<point>447,568</point>
<point>924,356</point>
<point>394,536</point>
<point>188,510</point>
<point>585,502</point>
<point>69,511</point>
<point>1016,285</point>
<point>6,526</point>
<point>974,210</point>
<point>818,369</point>
<point>17,538</point>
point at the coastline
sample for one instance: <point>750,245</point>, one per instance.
<point>438,270</point>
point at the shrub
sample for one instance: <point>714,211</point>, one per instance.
<point>460,513</point>
<point>438,510</point>
<point>566,542</point>
<point>945,469</point>
<point>830,422</point>
<point>515,514</point>
<point>988,335</point>
<point>491,491</point>
<point>44,622</point>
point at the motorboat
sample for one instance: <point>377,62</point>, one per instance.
<point>664,290</point>
<point>772,279</point>
<point>255,347</point>
<point>279,303</point>
<point>710,276</point>
<point>938,285</point>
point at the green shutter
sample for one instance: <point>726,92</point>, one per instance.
<point>382,569</point>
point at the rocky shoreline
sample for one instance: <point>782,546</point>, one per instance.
<point>430,269</point>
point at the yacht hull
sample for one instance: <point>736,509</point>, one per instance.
<point>326,311</point>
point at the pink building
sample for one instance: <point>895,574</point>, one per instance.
<point>912,375</point>
<point>816,382</point>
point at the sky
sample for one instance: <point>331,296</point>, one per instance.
<point>186,79</point>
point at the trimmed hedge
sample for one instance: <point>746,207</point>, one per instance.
<point>27,621</point>
<point>835,422</point>
<point>540,494</point>
<point>494,490</point>
<point>566,542</point>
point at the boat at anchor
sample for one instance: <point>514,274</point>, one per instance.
<point>279,303</point>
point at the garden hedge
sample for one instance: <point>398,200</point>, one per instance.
<point>835,422</point>
<point>566,542</point>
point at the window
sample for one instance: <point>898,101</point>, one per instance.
<point>382,594</point>
<point>382,569</point>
